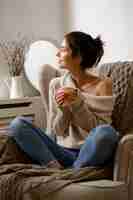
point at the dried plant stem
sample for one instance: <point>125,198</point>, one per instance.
<point>14,55</point>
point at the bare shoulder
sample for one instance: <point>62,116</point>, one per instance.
<point>104,88</point>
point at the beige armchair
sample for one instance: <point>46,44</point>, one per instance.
<point>18,180</point>
<point>121,185</point>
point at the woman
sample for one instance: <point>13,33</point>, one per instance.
<point>80,108</point>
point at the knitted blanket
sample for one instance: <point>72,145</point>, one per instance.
<point>19,178</point>
<point>122,77</point>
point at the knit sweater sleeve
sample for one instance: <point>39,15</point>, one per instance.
<point>82,114</point>
<point>59,119</point>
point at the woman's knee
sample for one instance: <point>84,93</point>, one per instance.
<point>17,125</point>
<point>106,131</point>
<point>105,135</point>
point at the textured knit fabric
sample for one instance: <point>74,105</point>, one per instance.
<point>72,125</point>
<point>122,77</point>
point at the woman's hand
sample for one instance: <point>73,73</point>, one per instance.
<point>66,96</point>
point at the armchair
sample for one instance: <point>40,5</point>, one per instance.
<point>121,185</point>
<point>21,180</point>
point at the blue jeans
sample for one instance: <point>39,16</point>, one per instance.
<point>97,150</point>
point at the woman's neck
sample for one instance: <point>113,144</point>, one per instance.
<point>81,77</point>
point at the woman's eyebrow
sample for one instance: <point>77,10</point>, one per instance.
<point>61,47</point>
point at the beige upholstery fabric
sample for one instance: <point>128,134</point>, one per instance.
<point>93,190</point>
<point>46,74</point>
<point>123,159</point>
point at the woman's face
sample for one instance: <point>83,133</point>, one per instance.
<point>65,58</point>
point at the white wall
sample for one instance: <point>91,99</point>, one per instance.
<point>112,19</point>
<point>30,18</point>
<point>42,18</point>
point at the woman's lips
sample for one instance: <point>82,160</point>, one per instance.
<point>60,61</point>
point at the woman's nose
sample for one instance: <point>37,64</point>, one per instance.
<point>58,53</point>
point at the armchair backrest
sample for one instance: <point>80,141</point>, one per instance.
<point>122,77</point>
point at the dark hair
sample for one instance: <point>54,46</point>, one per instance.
<point>90,49</point>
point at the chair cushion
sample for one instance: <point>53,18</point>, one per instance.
<point>96,190</point>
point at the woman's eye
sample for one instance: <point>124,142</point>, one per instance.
<point>63,49</point>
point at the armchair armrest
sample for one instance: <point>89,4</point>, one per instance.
<point>123,159</point>
<point>130,177</point>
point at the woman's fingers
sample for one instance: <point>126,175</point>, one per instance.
<point>65,96</point>
<point>59,98</point>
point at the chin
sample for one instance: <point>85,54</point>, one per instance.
<point>62,66</point>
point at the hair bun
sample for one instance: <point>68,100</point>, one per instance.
<point>99,44</point>
<point>98,41</point>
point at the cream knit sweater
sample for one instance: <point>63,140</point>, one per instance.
<point>72,125</point>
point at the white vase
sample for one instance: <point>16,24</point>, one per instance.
<point>16,89</point>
